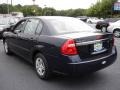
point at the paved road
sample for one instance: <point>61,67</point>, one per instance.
<point>16,74</point>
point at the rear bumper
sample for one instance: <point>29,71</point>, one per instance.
<point>92,66</point>
<point>88,66</point>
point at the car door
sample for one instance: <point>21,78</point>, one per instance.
<point>28,38</point>
<point>13,36</point>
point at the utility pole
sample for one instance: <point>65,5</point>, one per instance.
<point>11,5</point>
<point>8,10</point>
<point>34,7</point>
<point>33,2</point>
<point>11,2</point>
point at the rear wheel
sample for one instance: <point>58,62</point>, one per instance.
<point>104,29</point>
<point>117,33</point>
<point>6,48</point>
<point>41,67</point>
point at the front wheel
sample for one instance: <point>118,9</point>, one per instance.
<point>117,33</point>
<point>41,67</point>
<point>6,48</point>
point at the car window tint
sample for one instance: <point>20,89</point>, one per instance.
<point>21,25</point>
<point>31,26</point>
<point>39,28</point>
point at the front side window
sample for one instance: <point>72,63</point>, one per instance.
<point>31,26</point>
<point>21,25</point>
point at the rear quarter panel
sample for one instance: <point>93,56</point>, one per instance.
<point>49,46</point>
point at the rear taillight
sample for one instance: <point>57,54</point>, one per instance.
<point>99,37</point>
<point>69,48</point>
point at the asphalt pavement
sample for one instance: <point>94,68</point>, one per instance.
<point>17,74</point>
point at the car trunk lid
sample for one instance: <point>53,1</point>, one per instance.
<point>91,45</point>
<point>94,46</point>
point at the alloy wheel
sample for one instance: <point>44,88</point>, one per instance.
<point>117,33</point>
<point>40,66</point>
<point>6,47</point>
<point>104,29</point>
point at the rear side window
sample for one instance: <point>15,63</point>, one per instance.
<point>31,26</point>
<point>39,28</point>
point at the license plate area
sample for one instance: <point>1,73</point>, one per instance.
<point>98,48</point>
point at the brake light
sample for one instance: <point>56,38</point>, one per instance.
<point>68,48</point>
<point>99,37</point>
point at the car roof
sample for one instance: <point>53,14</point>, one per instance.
<point>49,17</point>
<point>112,19</point>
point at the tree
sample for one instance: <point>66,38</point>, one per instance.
<point>47,11</point>
<point>101,9</point>
<point>3,8</point>
<point>34,10</point>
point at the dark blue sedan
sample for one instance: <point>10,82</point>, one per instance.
<point>60,44</point>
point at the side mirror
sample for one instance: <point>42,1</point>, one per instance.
<point>17,31</point>
<point>10,28</point>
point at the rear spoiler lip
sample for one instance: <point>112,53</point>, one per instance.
<point>91,42</point>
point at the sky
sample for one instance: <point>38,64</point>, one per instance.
<point>57,4</point>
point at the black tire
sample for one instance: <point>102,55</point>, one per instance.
<point>98,27</point>
<point>6,48</point>
<point>47,72</point>
<point>117,33</point>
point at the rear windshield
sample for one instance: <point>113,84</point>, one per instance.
<point>67,25</point>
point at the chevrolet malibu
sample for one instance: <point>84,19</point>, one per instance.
<point>63,45</point>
